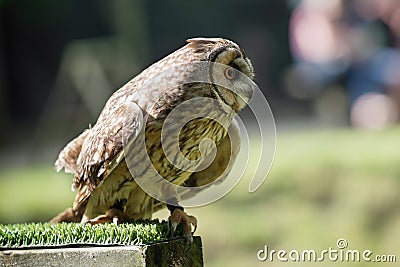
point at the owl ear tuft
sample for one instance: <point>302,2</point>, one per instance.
<point>202,44</point>
<point>201,40</point>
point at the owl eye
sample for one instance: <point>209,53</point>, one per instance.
<point>230,73</point>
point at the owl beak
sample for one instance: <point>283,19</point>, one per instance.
<point>245,91</point>
<point>248,92</point>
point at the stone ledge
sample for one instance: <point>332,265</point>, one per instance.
<point>169,253</point>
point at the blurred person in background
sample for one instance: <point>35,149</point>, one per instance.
<point>347,57</point>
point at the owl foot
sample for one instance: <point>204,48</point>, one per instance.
<point>69,215</point>
<point>112,215</point>
<point>179,216</point>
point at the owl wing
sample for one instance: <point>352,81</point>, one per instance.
<point>68,157</point>
<point>96,152</point>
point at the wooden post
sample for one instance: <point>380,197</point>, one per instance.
<point>168,253</point>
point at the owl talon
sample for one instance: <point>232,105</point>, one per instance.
<point>112,215</point>
<point>69,215</point>
<point>179,216</point>
<point>100,220</point>
<point>172,227</point>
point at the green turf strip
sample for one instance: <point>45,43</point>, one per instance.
<point>64,234</point>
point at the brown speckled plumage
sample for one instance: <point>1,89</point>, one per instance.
<point>96,157</point>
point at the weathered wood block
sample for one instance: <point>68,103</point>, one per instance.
<point>169,253</point>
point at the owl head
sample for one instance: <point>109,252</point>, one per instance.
<point>215,68</point>
<point>230,72</point>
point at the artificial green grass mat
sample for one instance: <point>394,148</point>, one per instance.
<point>65,234</point>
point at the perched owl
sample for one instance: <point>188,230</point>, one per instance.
<point>128,142</point>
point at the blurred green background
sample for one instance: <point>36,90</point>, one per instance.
<point>329,70</point>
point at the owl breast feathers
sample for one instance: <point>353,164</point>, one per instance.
<point>127,142</point>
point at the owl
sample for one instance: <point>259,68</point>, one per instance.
<point>147,150</point>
